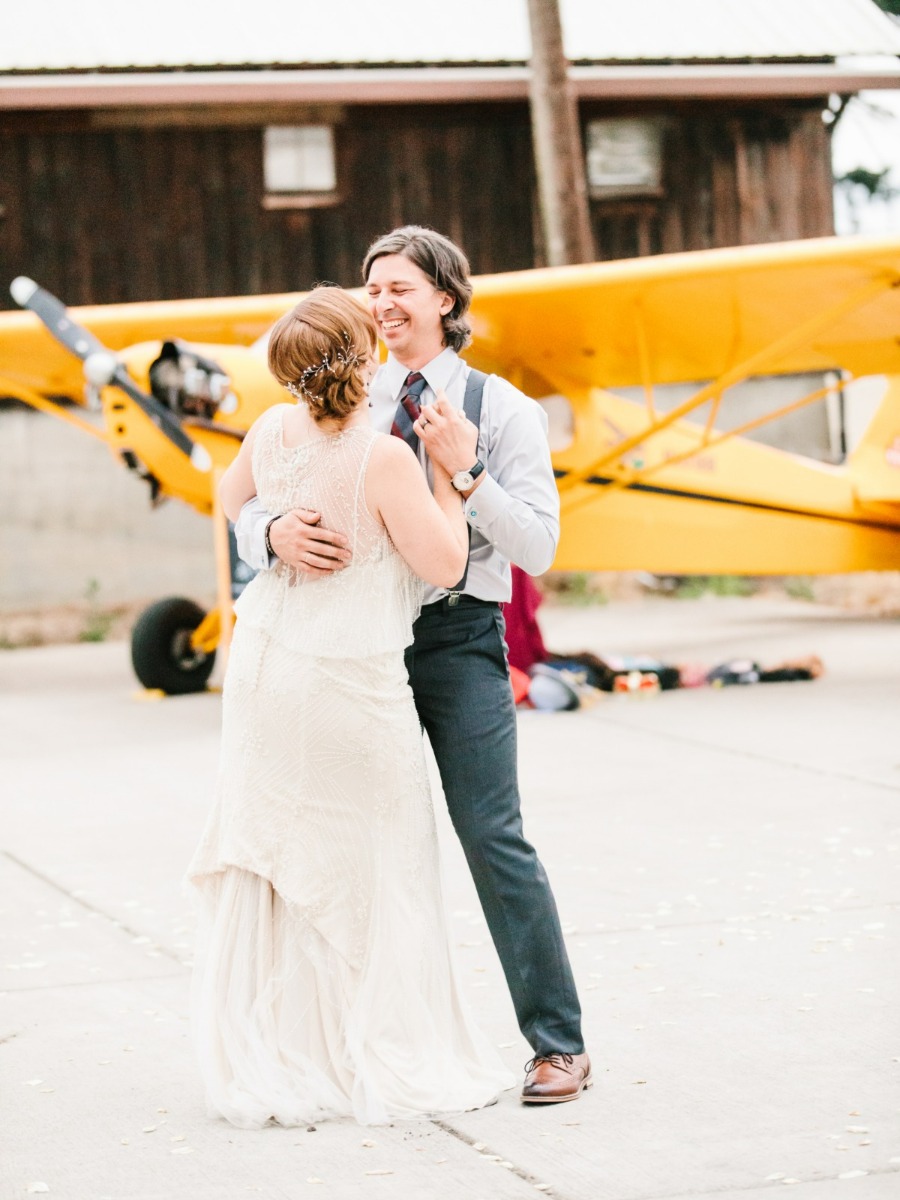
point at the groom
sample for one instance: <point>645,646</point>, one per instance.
<point>419,292</point>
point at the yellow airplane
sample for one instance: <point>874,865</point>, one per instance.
<point>642,486</point>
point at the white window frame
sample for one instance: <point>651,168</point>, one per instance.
<point>624,156</point>
<point>299,166</point>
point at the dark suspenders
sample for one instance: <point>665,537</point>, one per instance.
<point>472,408</point>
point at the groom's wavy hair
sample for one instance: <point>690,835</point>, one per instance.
<point>444,264</point>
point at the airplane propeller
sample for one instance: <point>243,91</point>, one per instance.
<point>101,366</point>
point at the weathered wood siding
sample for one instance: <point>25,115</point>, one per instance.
<point>731,177</point>
<point>141,212</point>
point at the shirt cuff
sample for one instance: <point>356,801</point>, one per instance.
<point>485,504</point>
<point>250,535</point>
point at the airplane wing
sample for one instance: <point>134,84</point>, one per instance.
<point>789,306</point>
<point>32,358</point>
<point>786,307</point>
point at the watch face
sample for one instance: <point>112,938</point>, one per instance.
<point>462,480</point>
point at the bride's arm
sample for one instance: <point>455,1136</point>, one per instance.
<point>237,486</point>
<point>429,531</point>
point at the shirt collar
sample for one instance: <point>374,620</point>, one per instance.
<point>438,372</point>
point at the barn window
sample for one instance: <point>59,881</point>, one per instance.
<point>624,156</point>
<point>299,166</point>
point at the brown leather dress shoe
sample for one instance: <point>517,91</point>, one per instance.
<point>553,1078</point>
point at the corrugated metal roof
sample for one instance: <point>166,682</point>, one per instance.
<point>57,35</point>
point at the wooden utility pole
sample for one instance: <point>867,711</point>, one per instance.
<point>558,152</point>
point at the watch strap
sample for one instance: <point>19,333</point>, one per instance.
<point>266,536</point>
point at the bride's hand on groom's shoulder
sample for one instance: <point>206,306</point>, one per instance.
<point>299,540</point>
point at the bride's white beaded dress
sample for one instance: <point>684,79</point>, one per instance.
<point>324,984</point>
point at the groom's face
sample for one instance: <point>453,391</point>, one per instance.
<point>407,308</point>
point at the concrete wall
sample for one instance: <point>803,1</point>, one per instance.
<point>72,515</point>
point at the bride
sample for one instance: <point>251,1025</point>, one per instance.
<point>324,983</point>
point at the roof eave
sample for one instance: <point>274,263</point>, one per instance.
<point>429,85</point>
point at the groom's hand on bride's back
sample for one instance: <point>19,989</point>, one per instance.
<point>299,540</point>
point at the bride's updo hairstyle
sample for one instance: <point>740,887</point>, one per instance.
<point>320,352</point>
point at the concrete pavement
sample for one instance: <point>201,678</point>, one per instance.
<point>726,864</point>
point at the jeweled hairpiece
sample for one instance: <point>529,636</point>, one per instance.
<point>345,355</point>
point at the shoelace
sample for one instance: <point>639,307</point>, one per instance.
<point>555,1060</point>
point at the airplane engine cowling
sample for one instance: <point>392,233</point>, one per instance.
<point>188,383</point>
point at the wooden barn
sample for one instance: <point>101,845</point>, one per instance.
<point>185,159</point>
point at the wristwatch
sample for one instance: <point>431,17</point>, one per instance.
<point>269,550</point>
<point>463,480</point>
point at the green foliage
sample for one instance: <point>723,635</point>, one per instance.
<point>891,6</point>
<point>578,588</point>
<point>97,623</point>
<point>690,587</point>
<point>876,183</point>
<point>799,587</point>
<point>97,627</point>
<point>693,586</point>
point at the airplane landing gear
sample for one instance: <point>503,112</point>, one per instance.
<point>163,651</point>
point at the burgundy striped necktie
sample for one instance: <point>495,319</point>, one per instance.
<point>408,410</point>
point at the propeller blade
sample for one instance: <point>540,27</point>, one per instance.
<point>28,294</point>
<point>163,418</point>
<point>82,343</point>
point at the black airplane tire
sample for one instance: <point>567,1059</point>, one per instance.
<point>161,651</point>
